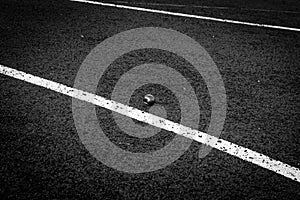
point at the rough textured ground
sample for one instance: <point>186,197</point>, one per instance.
<point>42,156</point>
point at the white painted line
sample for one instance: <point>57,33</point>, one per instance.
<point>220,144</point>
<point>188,15</point>
<point>205,7</point>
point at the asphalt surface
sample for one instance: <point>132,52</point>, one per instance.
<point>42,156</point>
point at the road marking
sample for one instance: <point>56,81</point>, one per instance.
<point>206,7</point>
<point>220,144</point>
<point>189,15</point>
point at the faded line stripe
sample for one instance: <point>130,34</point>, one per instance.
<point>189,15</point>
<point>220,144</point>
<point>206,7</point>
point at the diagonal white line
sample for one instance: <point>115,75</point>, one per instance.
<point>220,144</point>
<point>188,15</point>
<point>205,7</point>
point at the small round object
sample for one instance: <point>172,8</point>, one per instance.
<point>149,100</point>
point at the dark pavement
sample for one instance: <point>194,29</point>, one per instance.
<point>42,156</point>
